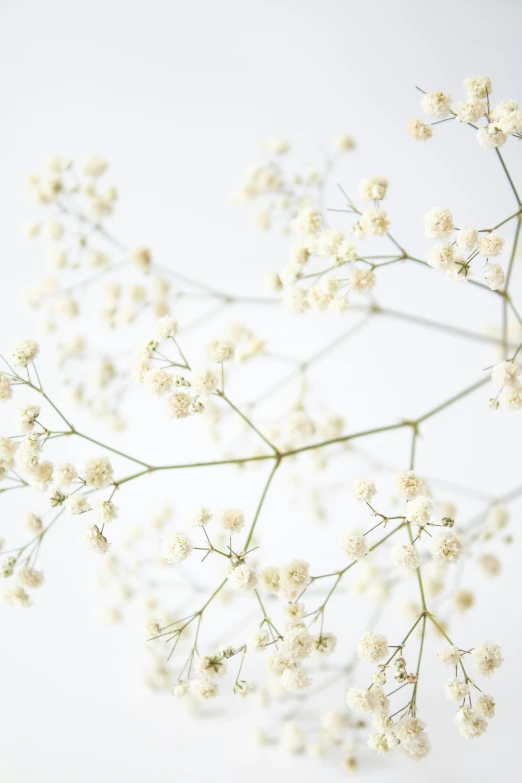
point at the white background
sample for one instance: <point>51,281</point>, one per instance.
<point>177,96</point>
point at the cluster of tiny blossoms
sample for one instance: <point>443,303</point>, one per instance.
<point>498,121</point>
<point>290,640</point>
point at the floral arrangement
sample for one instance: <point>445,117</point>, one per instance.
<point>290,643</point>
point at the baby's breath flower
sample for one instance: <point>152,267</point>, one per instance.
<point>243,688</point>
<point>470,723</point>
<point>105,511</point>
<point>494,275</point>
<point>16,596</point>
<point>478,86</point>
<point>294,612</point>
<point>362,280</point>
<point>98,472</point>
<point>463,600</point>
<point>489,564</point>
<point>511,397</point>
<point>142,258</point>
<point>374,188</point>
<point>205,380</point>
<point>419,131</point>
<point>363,490</point>
<point>27,415</point>
<point>491,244</point>
<point>466,238</point>
<point>295,679</point>
<point>497,518</point>
<point>298,642</point>
<point>449,655</point>
<point>158,381</point>
<point>372,647</point>
<point>24,351</point>
<point>293,578</point>
<point>64,475</point>
<point>166,327</point>
<point>506,374</point>
<point>491,136</point>
<point>6,391</point>
<point>232,519</point>
<point>30,578</point>
<point>485,706</point>
<point>408,484</point>
<point>179,405</point>
<point>438,223</point>
<point>95,166</point>
<point>176,547</point>
<point>242,578</point>
<point>378,743</point>
<point>406,557</point>
<point>95,539</point>
<point>354,545</point>
<point>78,504</point>
<point>200,516</point>
<point>446,547</point>
<point>220,350</point>
<point>325,643</point>
<point>375,222</point>
<point>436,104</point>
<point>269,579</point>
<point>456,689</point>
<point>205,688</point>
<point>180,689</point>
<point>345,143</point>
<point>470,111</point>
<point>364,700</point>
<point>258,639</point>
<point>308,221</point>
<point>419,510</point>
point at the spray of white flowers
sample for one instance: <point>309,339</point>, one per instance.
<point>413,539</point>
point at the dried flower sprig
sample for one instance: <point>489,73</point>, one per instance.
<point>420,537</point>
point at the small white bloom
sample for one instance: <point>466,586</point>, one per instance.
<point>478,86</point>
<point>487,658</point>
<point>494,275</point>
<point>105,511</point>
<point>491,136</point>
<point>95,539</point>
<point>446,547</point>
<point>408,484</point>
<point>232,519</point>
<point>363,489</point>
<point>24,351</point>
<point>406,557</point>
<point>354,545</point>
<point>449,655</point>
<point>438,223</point>
<point>491,244</point>
<point>166,327</point>
<point>98,472</point>
<point>419,510</point>
<point>436,104</point>
<point>176,547</point>
<point>200,516</point>
<point>506,374</point>
<point>372,647</point>
<point>419,131</point>
<point>456,689</point>
<point>242,578</point>
<point>78,504</point>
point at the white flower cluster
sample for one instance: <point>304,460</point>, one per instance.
<point>409,547</point>
<point>500,121</point>
<point>472,721</point>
